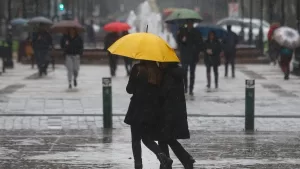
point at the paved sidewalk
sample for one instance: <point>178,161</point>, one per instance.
<point>95,149</point>
<point>23,93</point>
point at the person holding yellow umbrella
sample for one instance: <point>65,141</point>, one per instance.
<point>144,85</point>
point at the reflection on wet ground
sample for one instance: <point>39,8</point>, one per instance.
<point>83,149</point>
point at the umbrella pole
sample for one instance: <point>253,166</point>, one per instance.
<point>147,29</point>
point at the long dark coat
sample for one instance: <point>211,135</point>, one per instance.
<point>189,49</point>
<point>213,59</point>
<point>175,124</point>
<point>144,105</point>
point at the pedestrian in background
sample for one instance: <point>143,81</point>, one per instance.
<point>73,49</point>
<point>127,61</point>
<point>173,119</point>
<point>109,39</point>
<point>91,33</point>
<point>230,43</point>
<point>29,51</point>
<point>274,48</point>
<point>286,56</point>
<point>144,108</point>
<point>212,58</point>
<point>42,43</point>
<point>190,44</point>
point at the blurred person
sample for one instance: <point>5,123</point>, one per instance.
<point>173,119</point>
<point>42,43</point>
<point>190,43</point>
<point>73,49</point>
<point>109,39</point>
<point>127,61</point>
<point>91,33</point>
<point>212,58</point>
<point>230,42</point>
<point>286,56</point>
<point>273,46</point>
<point>144,85</point>
<point>29,51</point>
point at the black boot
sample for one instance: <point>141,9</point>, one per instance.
<point>75,83</point>
<point>216,82</point>
<point>165,162</point>
<point>138,166</point>
<point>189,164</point>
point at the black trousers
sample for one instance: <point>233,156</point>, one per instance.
<point>128,65</point>
<point>216,74</point>
<point>186,67</point>
<point>113,61</point>
<point>230,59</point>
<point>177,148</point>
<point>138,134</point>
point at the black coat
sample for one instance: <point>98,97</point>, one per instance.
<point>144,105</point>
<point>73,46</point>
<point>213,59</point>
<point>110,39</point>
<point>191,47</point>
<point>174,120</point>
<point>42,40</point>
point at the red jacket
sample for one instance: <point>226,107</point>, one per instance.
<point>271,31</point>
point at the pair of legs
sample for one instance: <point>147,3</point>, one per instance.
<point>113,61</point>
<point>230,59</point>
<point>184,157</point>
<point>42,60</point>
<point>208,75</point>
<point>192,68</point>
<point>72,64</point>
<point>285,65</point>
<point>128,65</point>
<point>138,134</point>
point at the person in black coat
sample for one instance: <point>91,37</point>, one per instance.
<point>190,43</point>
<point>143,84</point>
<point>110,39</point>
<point>174,114</point>
<point>212,59</point>
<point>230,42</point>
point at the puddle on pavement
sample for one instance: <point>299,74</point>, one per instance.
<point>276,89</point>
<point>11,88</point>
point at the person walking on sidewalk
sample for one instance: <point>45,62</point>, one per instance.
<point>174,122</point>
<point>212,58</point>
<point>286,55</point>
<point>73,49</point>
<point>42,43</point>
<point>127,61</point>
<point>109,39</point>
<point>230,43</point>
<point>190,43</point>
<point>144,85</point>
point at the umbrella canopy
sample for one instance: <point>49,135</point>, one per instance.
<point>183,14</point>
<point>144,46</point>
<point>18,22</point>
<point>206,28</point>
<point>63,26</point>
<point>116,27</point>
<point>40,20</point>
<point>287,37</point>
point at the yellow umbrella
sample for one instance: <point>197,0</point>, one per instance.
<point>144,46</point>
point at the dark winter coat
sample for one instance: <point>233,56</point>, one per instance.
<point>174,120</point>
<point>42,41</point>
<point>213,59</point>
<point>191,47</point>
<point>73,46</point>
<point>230,42</point>
<point>110,39</point>
<point>144,105</point>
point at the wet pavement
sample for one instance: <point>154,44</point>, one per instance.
<point>99,148</point>
<point>44,125</point>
